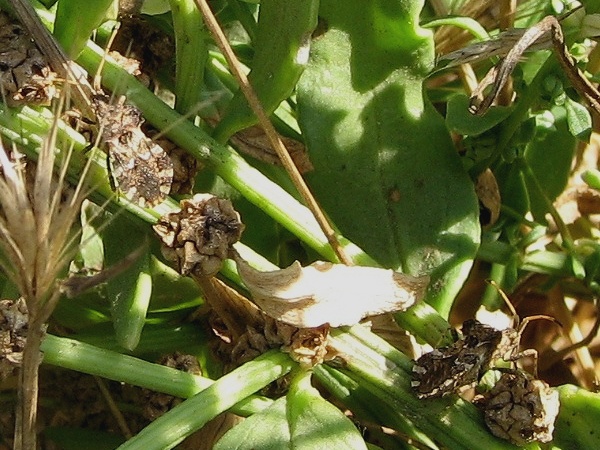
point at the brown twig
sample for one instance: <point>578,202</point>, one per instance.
<point>498,76</point>
<point>286,160</point>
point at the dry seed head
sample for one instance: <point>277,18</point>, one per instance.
<point>198,238</point>
<point>36,218</point>
<point>521,409</point>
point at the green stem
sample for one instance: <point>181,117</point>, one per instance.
<point>191,57</point>
<point>170,429</point>
<point>560,224</point>
<point>75,355</point>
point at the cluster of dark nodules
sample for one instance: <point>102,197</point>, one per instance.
<point>519,408</point>
<point>198,238</point>
<point>25,75</point>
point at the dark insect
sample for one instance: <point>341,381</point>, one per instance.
<point>140,168</point>
<point>449,369</point>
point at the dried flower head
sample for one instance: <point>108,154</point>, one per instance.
<point>199,236</point>
<point>521,409</point>
<point>36,219</point>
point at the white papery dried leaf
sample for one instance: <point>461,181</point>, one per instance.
<point>336,294</point>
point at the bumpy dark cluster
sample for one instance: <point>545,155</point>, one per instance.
<point>25,75</point>
<point>140,168</point>
<point>521,409</point>
<point>518,408</point>
<point>13,335</point>
<point>198,237</point>
<point>448,369</point>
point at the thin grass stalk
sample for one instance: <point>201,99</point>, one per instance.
<point>35,227</point>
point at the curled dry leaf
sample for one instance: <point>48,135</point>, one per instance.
<point>308,297</point>
<point>488,194</point>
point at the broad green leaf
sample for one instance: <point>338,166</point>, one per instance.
<point>315,423</point>
<point>461,121</point>
<point>386,170</point>
<point>301,420</point>
<point>266,430</point>
<point>549,156</point>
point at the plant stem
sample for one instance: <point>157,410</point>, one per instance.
<point>274,139</point>
<point>25,429</point>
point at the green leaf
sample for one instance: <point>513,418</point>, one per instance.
<point>284,28</point>
<point>386,170</point>
<point>192,54</point>
<point>91,250</point>
<point>266,430</point>
<point>549,156</point>
<point>579,120</point>
<point>461,121</point>
<point>315,423</point>
<point>578,418</point>
<point>301,420</point>
<point>75,22</point>
<point>129,292</point>
<point>592,178</point>
<point>513,191</point>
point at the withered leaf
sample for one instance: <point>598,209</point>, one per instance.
<point>323,292</point>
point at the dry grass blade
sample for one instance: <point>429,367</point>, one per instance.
<point>37,214</point>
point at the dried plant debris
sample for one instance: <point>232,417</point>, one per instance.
<point>326,293</point>
<point>25,75</point>
<point>496,78</point>
<point>520,408</point>
<point>140,168</point>
<point>13,335</point>
<point>307,346</point>
<point>199,236</point>
<point>450,369</point>
<point>139,38</point>
<point>488,193</point>
<point>254,142</point>
<point>185,166</point>
<point>157,403</point>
